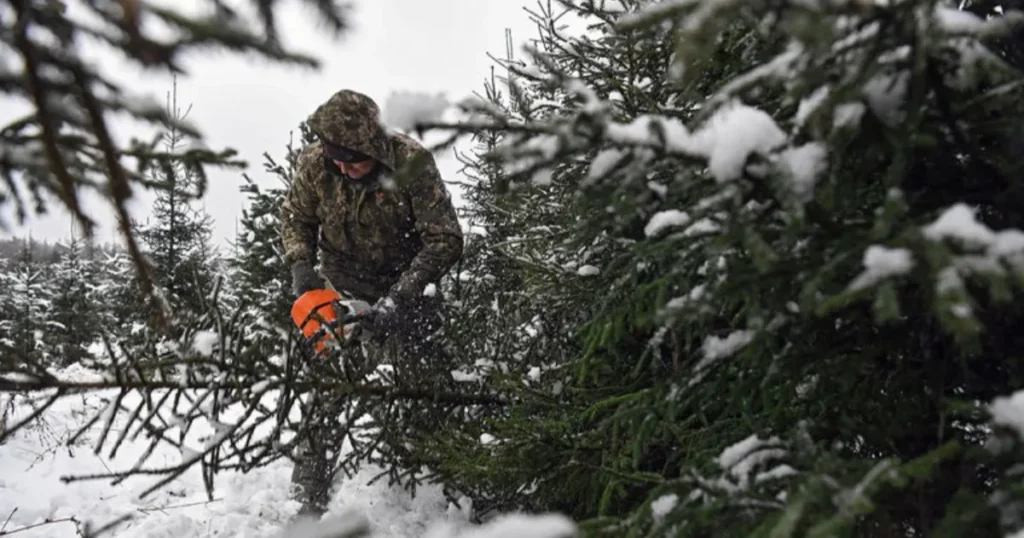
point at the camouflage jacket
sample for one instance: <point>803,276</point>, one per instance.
<point>392,235</point>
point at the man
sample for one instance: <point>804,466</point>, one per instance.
<point>371,205</point>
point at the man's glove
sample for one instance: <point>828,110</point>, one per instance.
<point>383,319</point>
<point>304,278</point>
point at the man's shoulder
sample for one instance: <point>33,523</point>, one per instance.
<point>405,148</point>
<point>309,165</point>
<point>308,155</point>
<point>414,164</point>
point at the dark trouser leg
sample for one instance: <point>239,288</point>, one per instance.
<point>316,454</point>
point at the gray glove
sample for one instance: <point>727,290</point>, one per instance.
<point>304,278</point>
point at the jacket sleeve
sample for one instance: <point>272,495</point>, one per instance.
<point>299,223</point>
<point>438,226</point>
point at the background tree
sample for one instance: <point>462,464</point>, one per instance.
<point>261,279</point>
<point>75,309</point>
<point>26,312</point>
<point>122,309</point>
<point>177,239</point>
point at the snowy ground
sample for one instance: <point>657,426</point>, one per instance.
<point>36,503</point>
<point>245,505</point>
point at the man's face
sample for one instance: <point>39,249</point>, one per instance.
<point>351,163</point>
<point>355,170</point>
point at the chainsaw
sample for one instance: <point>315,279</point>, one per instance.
<point>324,315</point>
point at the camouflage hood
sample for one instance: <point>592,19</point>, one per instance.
<point>352,119</point>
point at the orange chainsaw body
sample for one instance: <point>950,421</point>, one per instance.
<point>315,314</point>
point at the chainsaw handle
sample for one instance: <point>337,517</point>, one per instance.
<point>356,316</point>
<point>349,317</point>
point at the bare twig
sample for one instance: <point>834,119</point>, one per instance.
<point>35,413</point>
<point>88,532</point>
<point>43,523</point>
<point>176,506</point>
<point>8,520</point>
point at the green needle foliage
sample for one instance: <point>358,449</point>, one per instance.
<point>802,226</point>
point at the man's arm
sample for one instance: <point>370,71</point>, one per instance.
<point>299,223</point>
<point>438,226</point>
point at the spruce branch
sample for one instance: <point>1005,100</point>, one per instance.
<point>332,387</point>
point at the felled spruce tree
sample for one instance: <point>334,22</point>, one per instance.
<point>808,306</point>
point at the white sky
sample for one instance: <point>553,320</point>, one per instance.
<point>251,104</point>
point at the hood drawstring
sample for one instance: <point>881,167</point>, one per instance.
<point>359,205</point>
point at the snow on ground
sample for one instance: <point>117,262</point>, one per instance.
<point>246,505</point>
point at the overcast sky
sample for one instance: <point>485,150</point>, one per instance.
<point>251,105</point>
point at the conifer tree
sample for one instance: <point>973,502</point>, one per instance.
<point>7,343</point>
<point>513,289</point>
<point>73,318</point>
<point>177,239</point>
<point>121,307</point>
<point>26,312</point>
<point>805,220</point>
<point>262,281</point>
